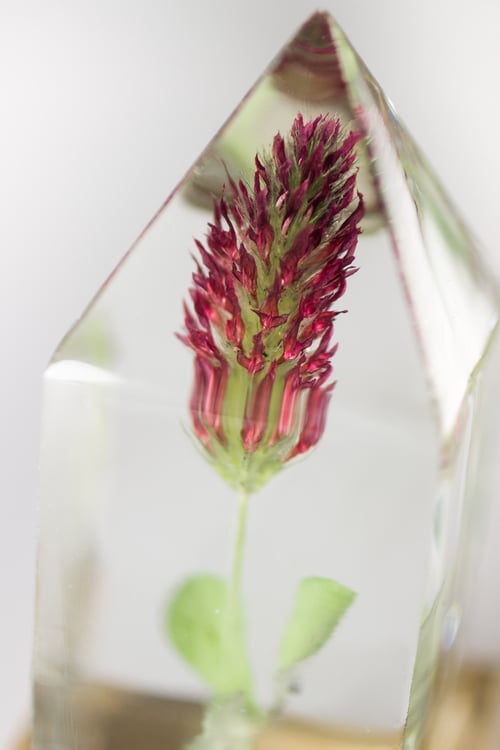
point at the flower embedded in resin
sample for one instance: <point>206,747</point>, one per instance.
<point>369,485</point>
<point>277,257</point>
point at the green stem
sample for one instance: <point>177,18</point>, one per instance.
<point>233,632</point>
<point>232,624</point>
<point>235,581</point>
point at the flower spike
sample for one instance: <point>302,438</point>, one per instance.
<point>277,256</point>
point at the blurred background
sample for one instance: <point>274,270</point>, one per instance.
<point>104,104</point>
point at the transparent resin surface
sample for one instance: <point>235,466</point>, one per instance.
<point>320,603</point>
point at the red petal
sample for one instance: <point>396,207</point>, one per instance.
<point>255,421</point>
<point>314,421</point>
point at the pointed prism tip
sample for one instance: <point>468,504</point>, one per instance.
<point>308,67</point>
<point>316,32</point>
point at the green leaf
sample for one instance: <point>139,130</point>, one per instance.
<point>207,631</point>
<point>319,605</point>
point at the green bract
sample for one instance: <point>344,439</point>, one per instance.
<point>319,605</point>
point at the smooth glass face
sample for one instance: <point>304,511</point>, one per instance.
<point>131,509</point>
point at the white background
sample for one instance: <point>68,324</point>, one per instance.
<point>104,104</point>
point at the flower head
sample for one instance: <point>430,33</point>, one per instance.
<point>277,256</point>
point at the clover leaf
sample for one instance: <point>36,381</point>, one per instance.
<point>206,629</point>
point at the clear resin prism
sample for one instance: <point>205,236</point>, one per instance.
<point>233,554</point>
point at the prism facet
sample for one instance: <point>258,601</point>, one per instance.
<point>233,553</point>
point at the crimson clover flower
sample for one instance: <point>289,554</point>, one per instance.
<point>277,256</point>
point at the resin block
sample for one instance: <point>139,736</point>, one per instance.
<point>144,637</point>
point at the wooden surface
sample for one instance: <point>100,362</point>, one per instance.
<point>467,718</point>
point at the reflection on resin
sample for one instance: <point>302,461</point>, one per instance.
<point>367,486</point>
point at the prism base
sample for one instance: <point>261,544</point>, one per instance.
<point>466,717</point>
